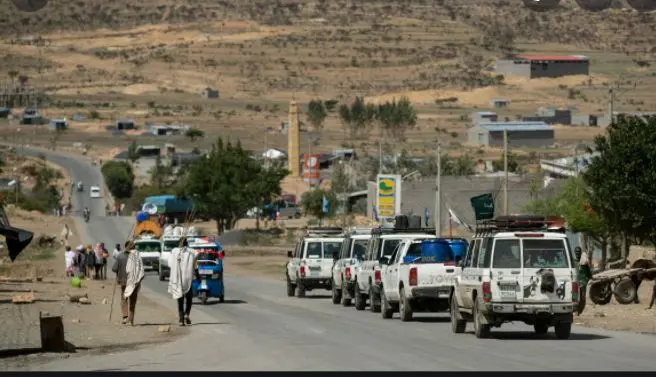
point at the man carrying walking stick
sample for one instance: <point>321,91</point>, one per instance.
<point>129,270</point>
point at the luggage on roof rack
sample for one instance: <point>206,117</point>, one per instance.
<point>515,223</point>
<point>381,231</point>
<point>324,231</point>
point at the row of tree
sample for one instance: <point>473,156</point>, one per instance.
<point>614,199</point>
<point>393,118</point>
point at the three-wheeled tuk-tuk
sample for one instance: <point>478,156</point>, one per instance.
<point>209,281</point>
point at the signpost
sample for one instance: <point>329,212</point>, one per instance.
<point>388,195</point>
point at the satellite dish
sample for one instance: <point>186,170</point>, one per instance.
<point>30,5</point>
<point>149,208</point>
<point>541,5</point>
<point>642,6</point>
<point>595,5</point>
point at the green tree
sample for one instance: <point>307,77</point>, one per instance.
<point>316,114</point>
<point>194,133</point>
<point>119,178</point>
<point>357,117</point>
<point>312,203</point>
<point>228,182</point>
<point>133,153</point>
<point>395,118</point>
<point>513,163</point>
<point>160,174</point>
<point>622,178</point>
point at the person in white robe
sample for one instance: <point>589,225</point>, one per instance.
<point>182,263</point>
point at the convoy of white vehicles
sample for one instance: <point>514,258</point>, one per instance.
<point>515,270</point>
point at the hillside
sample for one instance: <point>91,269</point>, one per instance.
<point>149,62</point>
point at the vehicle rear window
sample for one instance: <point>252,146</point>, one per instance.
<point>506,254</point>
<point>313,250</point>
<point>148,246</point>
<point>389,246</point>
<point>544,254</point>
<point>358,249</point>
<point>330,248</point>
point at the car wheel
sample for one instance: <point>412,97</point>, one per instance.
<point>374,301</point>
<point>481,330</point>
<point>563,330</point>
<point>404,307</point>
<point>541,328</point>
<point>385,308</point>
<point>458,326</point>
<point>359,300</point>
<point>346,300</point>
<point>300,290</point>
<point>337,294</point>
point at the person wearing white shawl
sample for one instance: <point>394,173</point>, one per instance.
<point>182,263</point>
<point>130,272</point>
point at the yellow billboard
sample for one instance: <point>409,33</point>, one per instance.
<point>388,195</point>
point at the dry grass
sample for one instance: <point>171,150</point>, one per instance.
<point>150,61</point>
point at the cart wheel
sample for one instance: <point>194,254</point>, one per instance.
<point>203,297</point>
<point>600,293</point>
<point>221,299</point>
<point>625,291</point>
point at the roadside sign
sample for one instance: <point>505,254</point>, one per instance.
<point>388,195</point>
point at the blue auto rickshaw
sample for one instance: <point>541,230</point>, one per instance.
<point>209,278</point>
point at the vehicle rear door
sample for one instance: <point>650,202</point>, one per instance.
<point>541,257</point>
<point>339,265</point>
<point>506,270</point>
<point>330,247</point>
<point>294,263</point>
<point>391,273</point>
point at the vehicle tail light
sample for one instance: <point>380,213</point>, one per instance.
<point>302,270</point>
<point>347,273</point>
<point>487,292</point>
<point>377,276</point>
<point>575,291</point>
<point>412,279</point>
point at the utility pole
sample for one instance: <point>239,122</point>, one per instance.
<point>505,170</point>
<point>438,193</point>
<point>380,152</point>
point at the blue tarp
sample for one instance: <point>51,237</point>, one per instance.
<point>169,203</point>
<point>433,251</point>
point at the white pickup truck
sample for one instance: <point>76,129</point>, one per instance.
<point>417,277</point>
<point>347,263</point>
<point>310,265</point>
<point>149,249</point>
<point>516,271</point>
<point>368,275</point>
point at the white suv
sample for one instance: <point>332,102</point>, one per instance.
<point>368,275</point>
<point>346,264</point>
<point>516,270</point>
<point>310,264</point>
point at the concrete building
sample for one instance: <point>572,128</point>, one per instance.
<point>484,117</point>
<point>539,66</point>
<point>125,124</point>
<point>520,134</point>
<point>168,130</point>
<point>551,115</point>
<point>58,124</point>
<point>499,103</point>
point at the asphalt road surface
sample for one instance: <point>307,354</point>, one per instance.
<point>259,328</point>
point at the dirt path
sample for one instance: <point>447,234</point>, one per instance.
<point>86,326</point>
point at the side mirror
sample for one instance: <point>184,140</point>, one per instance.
<point>290,254</point>
<point>336,255</point>
<point>383,260</point>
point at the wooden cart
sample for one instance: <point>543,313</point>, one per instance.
<point>620,283</point>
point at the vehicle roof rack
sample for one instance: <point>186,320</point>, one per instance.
<point>320,231</point>
<point>382,231</point>
<point>359,230</point>
<point>515,223</point>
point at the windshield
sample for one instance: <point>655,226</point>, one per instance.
<point>358,248</point>
<point>95,190</point>
<point>170,245</point>
<point>544,254</point>
<point>316,251</point>
<point>148,246</point>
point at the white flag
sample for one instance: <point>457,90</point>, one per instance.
<point>455,218</point>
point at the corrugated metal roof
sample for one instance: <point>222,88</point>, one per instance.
<point>515,126</point>
<point>554,57</point>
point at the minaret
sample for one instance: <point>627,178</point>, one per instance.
<point>294,143</point>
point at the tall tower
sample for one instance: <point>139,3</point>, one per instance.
<point>294,143</point>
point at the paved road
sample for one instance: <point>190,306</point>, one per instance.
<point>259,328</point>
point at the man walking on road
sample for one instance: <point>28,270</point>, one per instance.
<point>182,262</point>
<point>129,274</point>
